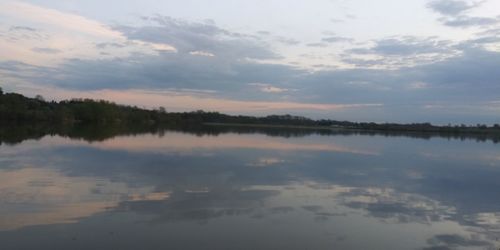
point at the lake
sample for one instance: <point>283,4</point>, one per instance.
<point>228,190</point>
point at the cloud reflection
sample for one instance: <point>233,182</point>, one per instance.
<point>184,142</point>
<point>42,196</point>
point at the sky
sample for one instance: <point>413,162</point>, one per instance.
<point>362,60</point>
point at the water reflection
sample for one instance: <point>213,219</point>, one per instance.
<point>39,196</point>
<point>177,142</point>
<point>249,191</point>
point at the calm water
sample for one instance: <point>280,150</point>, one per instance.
<point>250,191</point>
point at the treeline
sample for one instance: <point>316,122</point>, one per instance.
<point>18,109</point>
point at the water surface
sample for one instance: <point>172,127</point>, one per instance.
<point>179,190</point>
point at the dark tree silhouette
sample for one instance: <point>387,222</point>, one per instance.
<point>15,108</point>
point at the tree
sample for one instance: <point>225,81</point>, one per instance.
<point>162,110</point>
<point>40,98</point>
<point>1,91</point>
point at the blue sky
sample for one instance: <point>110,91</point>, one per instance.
<point>387,60</point>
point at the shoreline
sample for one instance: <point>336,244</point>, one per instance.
<point>437,130</point>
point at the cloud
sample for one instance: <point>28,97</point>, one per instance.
<point>266,162</point>
<point>46,50</point>
<point>263,32</point>
<point>195,70</point>
<point>336,39</point>
<point>188,55</point>
<point>398,52</point>
<point>33,29</point>
<point>394,206</point>
<point>475,68</point>
<point>471,75</point>
<point>201,53</point>
<point>451,241</point>
<point>55,204</point>
<point>483,40</point>
<point>466,21</point>
<point>452,7</point>
<point>40,15</point>
<point>105,45</point>
<point>192,36</point>
<point>20,33</point>
<point>363,63</point>
<point>418,85</point>
<point>408,45</point>
<point>22,28</point>
<point>469,78</point>
<point>287,41</point>
<point>453,12</point>
<point>268,88</point>
<point>319,45</point>
<point>326,41</point>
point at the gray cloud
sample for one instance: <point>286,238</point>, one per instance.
<point>25,71</point>
<point>46,50</point>
<point>474,70</point>
<point>470,78</point>
<point>452,7</point>
<point>169,70</point>
<point>453,12</point>
<point>336,39</point>
<point>397,52</point>
<point>207,37</point>
<point>231,67</point>
<point>263,33</point>
<point>466,21</point>
<point>364,63</point>
<point>288,41</point>
<point>405,46</point>
<point>450,241</point>
<point>109,45</point>
<point>319,45</point>
<point>17,33</point>
<point>484,40</point>
<point>22,28</point>
<point>461,83</point>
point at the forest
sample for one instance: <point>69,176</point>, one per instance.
<point>18,109</point>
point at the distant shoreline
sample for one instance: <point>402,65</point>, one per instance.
<point>263,125</point>
<point>16,109</point>
<point>438,130</point>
